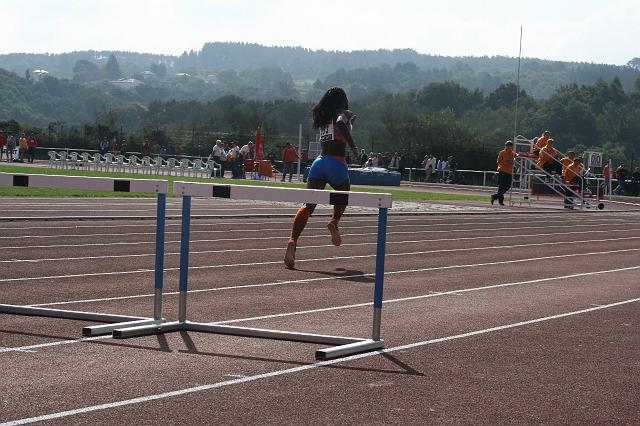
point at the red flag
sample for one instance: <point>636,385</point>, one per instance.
<point>259,148</point>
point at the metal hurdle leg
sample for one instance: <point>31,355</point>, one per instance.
<point>97,330</point>
<point>160,327</point>
<point>375,342</point>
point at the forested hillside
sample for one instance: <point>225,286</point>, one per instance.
<point>391,70</point>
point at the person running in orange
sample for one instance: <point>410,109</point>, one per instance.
<point>505,172</point>
<point>541,142</point>
<point>546,160</point>
<point>332,118</point>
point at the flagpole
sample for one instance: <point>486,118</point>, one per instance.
<point>299,150</point>
<point>515,120</point>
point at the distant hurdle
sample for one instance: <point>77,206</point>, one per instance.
<point>159,187</point>
<point>343,346</point>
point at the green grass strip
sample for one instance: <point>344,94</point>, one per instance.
<point>11,191</point>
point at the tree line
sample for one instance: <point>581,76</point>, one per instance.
<point>438,118</point>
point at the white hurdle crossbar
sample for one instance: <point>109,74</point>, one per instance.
<point>159,187</point>
<point>343,345</point>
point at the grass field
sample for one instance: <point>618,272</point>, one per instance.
<point>9,191</point>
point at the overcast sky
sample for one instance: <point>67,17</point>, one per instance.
<point>601,31</point>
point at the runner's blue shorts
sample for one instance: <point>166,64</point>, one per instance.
<point>329,169</point>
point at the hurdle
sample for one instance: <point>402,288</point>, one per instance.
<point>343,346</point>
<point>159,187</point>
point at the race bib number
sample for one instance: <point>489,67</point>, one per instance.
<point>326,133</point>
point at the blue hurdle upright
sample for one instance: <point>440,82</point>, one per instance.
<point>342,346</point>
<point>97,184</point>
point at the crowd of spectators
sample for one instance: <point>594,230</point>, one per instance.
<point>26,144</point>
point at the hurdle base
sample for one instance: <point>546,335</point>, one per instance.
<point>64,314</point>
<point>349,349</point>
<point>100,330</point>
<point>345,345</point>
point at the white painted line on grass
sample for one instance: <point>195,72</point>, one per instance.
<point>217,385</point>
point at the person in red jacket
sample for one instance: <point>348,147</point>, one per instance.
<point>32,144</point>
<point>289,157</point>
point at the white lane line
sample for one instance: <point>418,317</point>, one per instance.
<point>31,348</point>
<point>298,369</point>
<point>194,252</point>
<point>582,224</point>
<point>333,258</point>
<point>458,292</point>
<point>413,231</point>
<point>347,219</point>
<point>319,279</point>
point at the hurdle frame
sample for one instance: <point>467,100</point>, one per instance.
<point>160,187</point>
<point>341,346</point>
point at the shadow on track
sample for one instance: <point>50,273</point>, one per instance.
<point>344,274</point>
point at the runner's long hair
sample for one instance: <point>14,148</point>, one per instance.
<point>332,102</point>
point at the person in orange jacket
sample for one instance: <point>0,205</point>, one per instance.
<point>566,161</point>
<point>546,158</point>
<point>541,142</point>
<point>573,180</point>
<point>505,172</point>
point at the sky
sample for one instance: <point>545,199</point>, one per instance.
<point>602,31</point>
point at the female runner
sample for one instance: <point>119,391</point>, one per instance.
<point>332,118</point>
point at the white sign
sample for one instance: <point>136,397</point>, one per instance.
<point>594,159</point>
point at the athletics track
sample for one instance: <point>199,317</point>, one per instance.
<point>488,318</point>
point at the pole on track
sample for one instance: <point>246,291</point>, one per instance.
<point>379,281</point>
<point>184,257</point>
<point>159,273</point>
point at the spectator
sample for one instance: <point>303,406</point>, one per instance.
<point>635,182</point>
<point>235,159</point>
<point>541,142</point>
<point>363,157</point>
<point>22,147</point>
<point>546,159</point>
<point>442,167</point>
<point>394,163</point>
<point>452,167</point>
<point>218,155</point>
<point>304,158</point>
<point>103,148</point>
<point>11,146</point>
<point>248,151</point>
<point>606,176</point>
<point>621,175</point>
<point>573,179</point>
<point>177,151</point>
<point>123,147</point>
<point>289,157</point>
<point>505,172</point>
<point>430,167</point>
<point>566,161</point>
<point>145,149</point>
<point>32,144</point>
<point>3,142</point>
